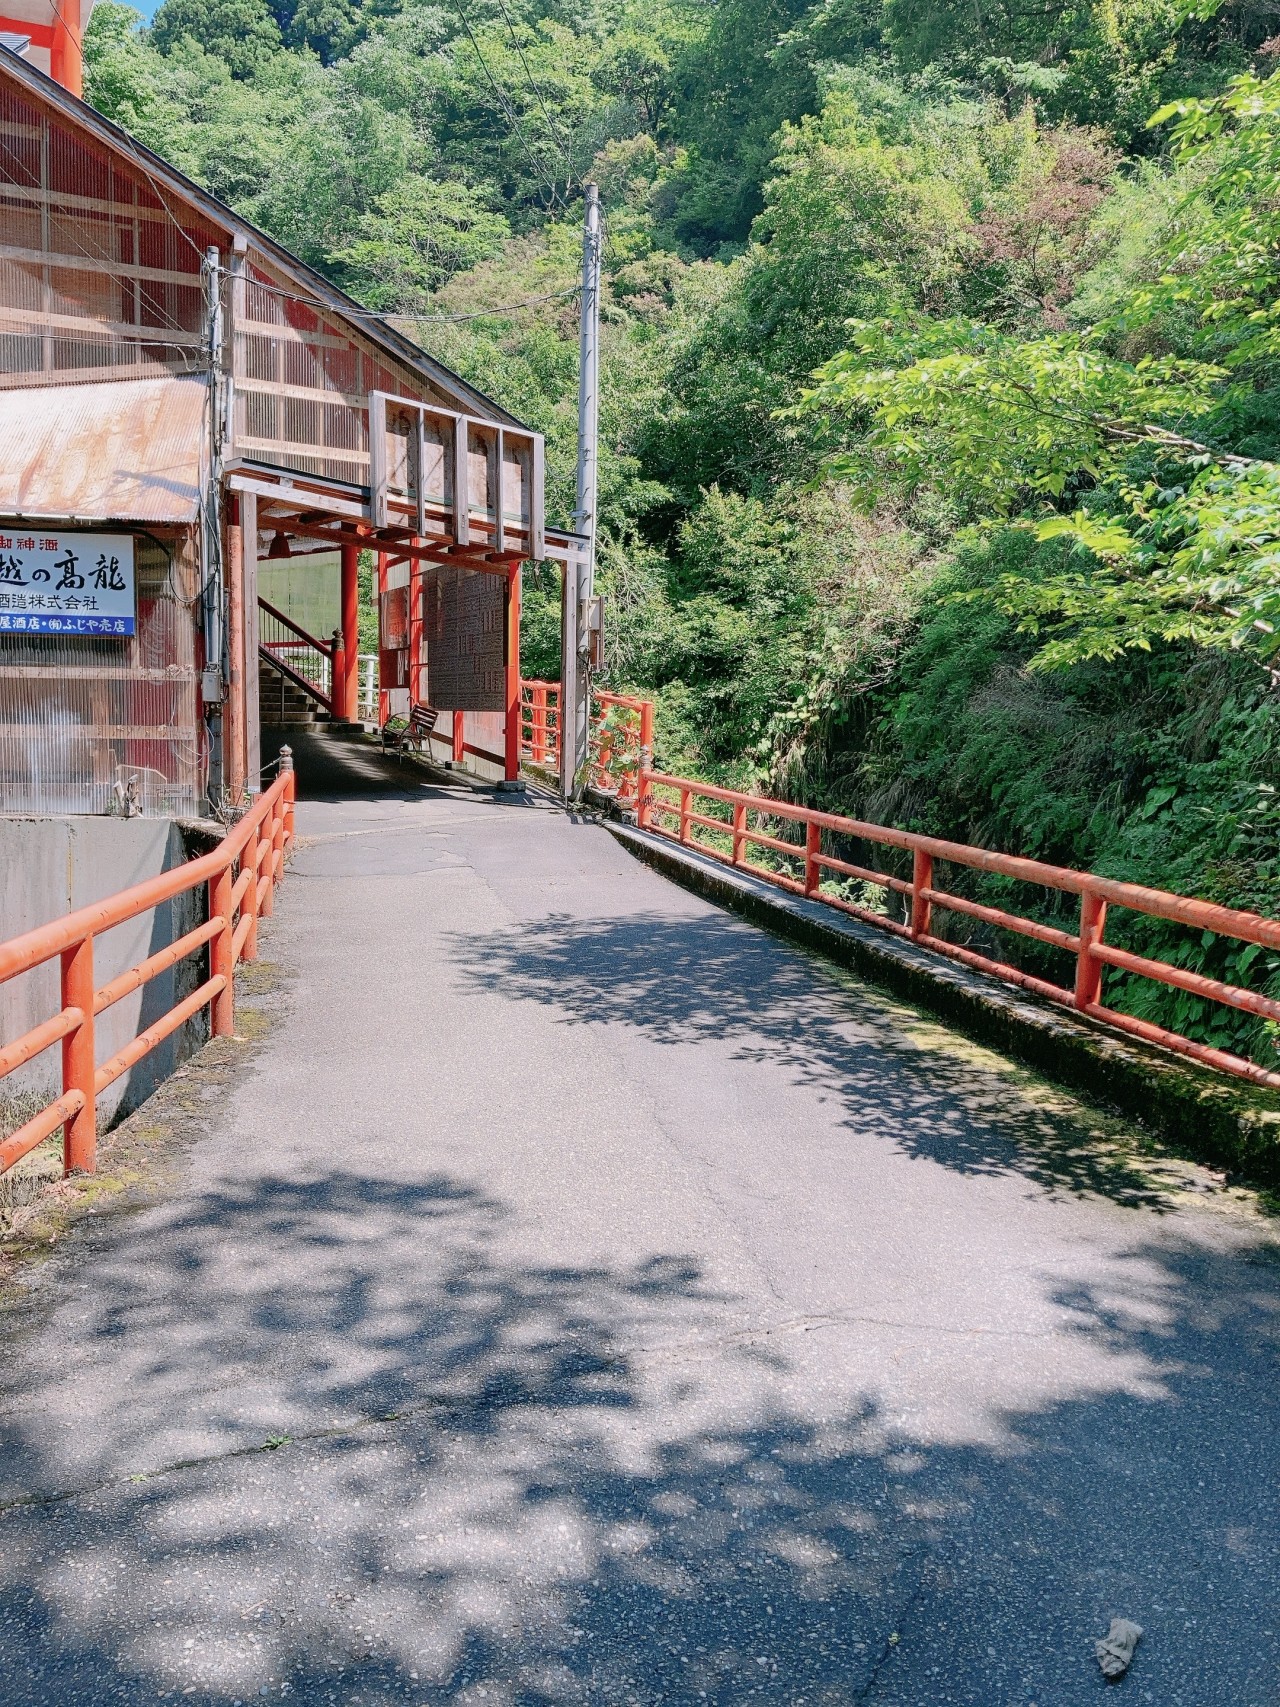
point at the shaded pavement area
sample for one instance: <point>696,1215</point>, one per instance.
<point>586,1298</point>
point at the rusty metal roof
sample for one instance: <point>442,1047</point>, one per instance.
<point>123,450</point>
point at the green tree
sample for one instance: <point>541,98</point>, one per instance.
<point>419,233</point>
<point>244,33</point>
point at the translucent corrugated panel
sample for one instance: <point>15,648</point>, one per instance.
<point>94,724</point>
<point>119,270</point>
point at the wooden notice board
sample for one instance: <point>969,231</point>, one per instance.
<point>464,615</point>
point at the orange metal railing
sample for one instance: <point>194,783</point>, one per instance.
<point>621,743</point>
<point>667,806</point>
<point>621,735</point>
<point>540,723</point>
<point>241,873</point>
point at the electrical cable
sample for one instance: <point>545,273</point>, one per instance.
<point>378,318</point>
<point>551,124</point>
<point>505,103</point>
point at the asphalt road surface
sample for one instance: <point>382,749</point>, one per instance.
<point>582,1297</point>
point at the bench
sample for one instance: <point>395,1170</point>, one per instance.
<point>422,720</point>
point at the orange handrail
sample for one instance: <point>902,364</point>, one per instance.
<point>620,746</point>
<point>1092,954</point>
<point>540,723</point>
<point>257,846</point>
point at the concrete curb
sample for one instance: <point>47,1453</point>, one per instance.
<point>1228,1123</point>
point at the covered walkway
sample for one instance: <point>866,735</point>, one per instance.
<point>586,1298</point>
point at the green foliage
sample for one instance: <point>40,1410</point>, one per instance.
<point>242,32</point>
<point>421,231</point>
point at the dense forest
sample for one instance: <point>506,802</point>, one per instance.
<point>941,363</point>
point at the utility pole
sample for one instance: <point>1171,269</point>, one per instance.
<point>579,579</point>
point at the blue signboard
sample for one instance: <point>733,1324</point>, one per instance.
<point>67,583</point>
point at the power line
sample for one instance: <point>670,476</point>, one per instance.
<point>376,317</point>
<point>551,124</point>
<point>505,103</point>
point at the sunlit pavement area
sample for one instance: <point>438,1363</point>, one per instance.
<point>587,1298</point>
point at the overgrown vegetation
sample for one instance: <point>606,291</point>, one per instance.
<point>941,359</point>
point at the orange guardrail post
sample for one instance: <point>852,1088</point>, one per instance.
<point>921,879</point>
<point>249,901</point>
<point>1093,919</point>
<point>277,842</point>
<point>812,848</point>
<point>267,865</point>
<point>222,954</point>
<point>684,814</point>
<point>290,793</point>
<point>80,1134</point>
<point>739,829</point>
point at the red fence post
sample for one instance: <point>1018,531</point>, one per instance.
<point>512,747</point>
<point>222,954</point>
<point>249,860</point>
<point>267,864</point>
<point>812,848</point>
<point>80,1133</point>
<point>290,793</point>
<point>739,829</point>
<point>346,691</point>
<point>277,842</point>
<point>921,879</point>
<point>684,815</point>
<point>1093,919</point>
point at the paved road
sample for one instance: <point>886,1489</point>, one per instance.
<point>589,1299</point>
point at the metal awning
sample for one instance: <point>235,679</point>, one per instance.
<point>120,451</point>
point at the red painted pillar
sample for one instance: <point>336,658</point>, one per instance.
<point>384,704</point>
<point>513,674</point>
<point>415,629</point>
<point>66,55</point>
<point>347,699</point>
<point>459,736</point>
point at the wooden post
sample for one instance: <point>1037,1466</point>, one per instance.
<point>346,699</point>
<point>80,1133</point>
<point>513,674</point>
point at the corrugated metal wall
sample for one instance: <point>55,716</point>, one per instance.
<point>79,716</point>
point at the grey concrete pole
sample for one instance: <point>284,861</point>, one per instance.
<point>580,582</point>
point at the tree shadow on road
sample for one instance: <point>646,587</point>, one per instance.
<point>709,979</point>
<point>432,1473</point>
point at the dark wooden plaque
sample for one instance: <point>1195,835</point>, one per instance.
<point>464,614</point>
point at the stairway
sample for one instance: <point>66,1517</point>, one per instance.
<point>281,703</point>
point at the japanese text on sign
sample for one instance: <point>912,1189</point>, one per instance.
<point>66,583</point>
